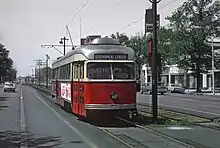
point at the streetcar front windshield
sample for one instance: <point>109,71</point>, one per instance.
<point>123,70</point>
<point>96,70</point>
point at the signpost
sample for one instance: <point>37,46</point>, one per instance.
<point>149,21</point>
<point>152,23</point>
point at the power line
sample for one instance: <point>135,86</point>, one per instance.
<point>81,8</point>
<point>138,20</point>
<point>163,6</point>
<point>130,24</point>
<point>75,15</point>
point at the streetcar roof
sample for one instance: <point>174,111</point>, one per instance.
<point>100,45</point>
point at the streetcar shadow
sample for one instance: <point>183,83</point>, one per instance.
<point>11,139</point>
<point>107,122</point>
<point>119,122</point>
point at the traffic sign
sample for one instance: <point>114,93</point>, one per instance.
<point>149,21</point>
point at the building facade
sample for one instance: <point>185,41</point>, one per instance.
<point>175,75</point>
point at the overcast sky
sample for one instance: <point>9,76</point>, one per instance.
<point>26,24</point>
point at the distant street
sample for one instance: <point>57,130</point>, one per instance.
<point>206,106</point>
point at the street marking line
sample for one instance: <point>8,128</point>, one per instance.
<point>23,131</point>
<point>21,94</point>
<point>184,108</point>
<point>90,143</point>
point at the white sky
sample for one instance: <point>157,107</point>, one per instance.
<point>27,24</point>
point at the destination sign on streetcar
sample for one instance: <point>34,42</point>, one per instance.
<point>110,56</point>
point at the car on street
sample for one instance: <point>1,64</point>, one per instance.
<point>147,87</point>
<point>176,88</point>
<point>9,86</point>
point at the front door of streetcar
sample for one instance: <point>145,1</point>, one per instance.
<point>57,87</point>
<point>78,101</point>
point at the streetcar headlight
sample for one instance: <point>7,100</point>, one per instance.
<point>114,96</point>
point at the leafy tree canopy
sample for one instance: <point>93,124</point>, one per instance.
<point>6,64</point>
<point>192,23</point>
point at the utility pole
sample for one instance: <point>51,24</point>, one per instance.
<point>32,72</point>
<point>38,63</point>
<point>154,60</point>
<point>213,67</point>
<point>47,70</point>
<point>63,41</point>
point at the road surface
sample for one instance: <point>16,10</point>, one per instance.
<point>44,124</point>
<point>206,106</point>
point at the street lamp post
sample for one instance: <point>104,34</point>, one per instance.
<point>47,70</point>
<point>63,41</point>
<point>213,68</point>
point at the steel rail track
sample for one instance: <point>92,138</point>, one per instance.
<point>148,129</point>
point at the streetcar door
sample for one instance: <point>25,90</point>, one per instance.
<point>57,85</point>
<point>80,88</point>
<point>75,89</point>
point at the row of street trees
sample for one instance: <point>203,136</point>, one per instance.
<point>7,72</point>
<point>182,42</point>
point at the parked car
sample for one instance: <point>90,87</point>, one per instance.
<point>147,87</point>
<point>176,88</point>
<point>8,86</point>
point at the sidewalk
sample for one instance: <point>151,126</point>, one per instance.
<point>9,119</point>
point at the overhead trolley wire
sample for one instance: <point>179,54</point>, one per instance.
<point>138,20</point>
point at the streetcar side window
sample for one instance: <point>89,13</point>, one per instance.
<point>61,72</point>
<point>82,71</point>
<point>78,70</point>
<point>53,73</point>
<point>67,72</point>
<point>76,74</point>
<point>58,73</point>
<point>98,70</point>
<point>123,70</point>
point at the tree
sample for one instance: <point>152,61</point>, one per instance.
<point>192,23</point>
<point>6,63</point>
<point>123,39</point>
<point>139,44</point>
<point>11,75</point>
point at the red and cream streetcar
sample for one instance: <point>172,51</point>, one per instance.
<point>96,79</point>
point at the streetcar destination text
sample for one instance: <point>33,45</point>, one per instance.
<point>110,56</point>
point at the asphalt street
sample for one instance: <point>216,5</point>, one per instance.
<point>205,106</point>
<point>44,124</point>
<point>31,120</point>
